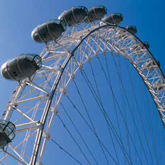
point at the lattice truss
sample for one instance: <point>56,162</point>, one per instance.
<point>34,103</point>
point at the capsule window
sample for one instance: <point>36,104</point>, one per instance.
<point>103,7</point>
<point>30,57</point>
<point>2,126</point>
<point>12,135</point>
<point>37,60</point>
<point>83,8</point>
<point>7,131</point>
<point>8,128</point>
<point>12,126</point>
<point>44,35</point>
<point>119,14</point>
<point>63,24</point>
<point>79,7</point>
<point>22,56</point>
<point>55,21</point>
<point>70,19</point>
<point>15,74</point>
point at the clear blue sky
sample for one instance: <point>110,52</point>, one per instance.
<point>18,18</point>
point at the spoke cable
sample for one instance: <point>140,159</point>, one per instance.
<point>103,111</point>
<point>114,103</point>
<point>93,132</point>
<point>125,116</point>
<point>121,114</point>
<point>131,112</point>
<point>79,133</point>
<point>73,139</point>
<point>140,113</point>
<point>99,95</point>
<point>78,91</point>
<point>65,151</point>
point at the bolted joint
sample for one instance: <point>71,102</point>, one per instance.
<point>47,135</point>
<point>97,54</point>
<point>63,91</point>
<point>54,110</point>
<point>81,66</point>
<point>40,125</point>
<point>72,76</point>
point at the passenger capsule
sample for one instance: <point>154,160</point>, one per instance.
<point>113,19</point>
<point>158,63</point>
<point>49,31</point>
<point>132,29</point>
<point>74,16</point>
<point>146,44</point>
<point>7,132</point>
<point>21,67</point>
<point>96,13</point>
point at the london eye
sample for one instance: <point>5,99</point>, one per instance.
<point>87,94</point>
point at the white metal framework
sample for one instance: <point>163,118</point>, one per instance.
<point>36,99</point>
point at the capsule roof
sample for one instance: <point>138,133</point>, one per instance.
<point>48,31</point>
<point>74,15</point>
<point>96,13</point>
<point>132,29</point>
<point>114,19</point>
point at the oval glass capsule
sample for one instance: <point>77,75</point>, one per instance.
<point>146,44</point>
<point>21,67</point>
<point>74,15</point>
<point>113,19</point>
<point>48,31</point>
<point>96,13</point>
<point>132,29</point>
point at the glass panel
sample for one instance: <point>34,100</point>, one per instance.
<point>5,122</point>
<point>80,7</point>
<point>7,127</point>
<point>57,21</point>
<point>7,131</point>
<point>37,60</point>
<point>63,24</point>
<point>11,126</point>
<point>119,14</point>
<point>11,136</point>
<point>54,20</point>
<point>103,7</point>
<point>133,27</point>
<point>30,56</point>
<point>22,56</point>
<point>2,127</point>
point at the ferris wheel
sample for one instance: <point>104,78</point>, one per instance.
<point>79,72</point>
